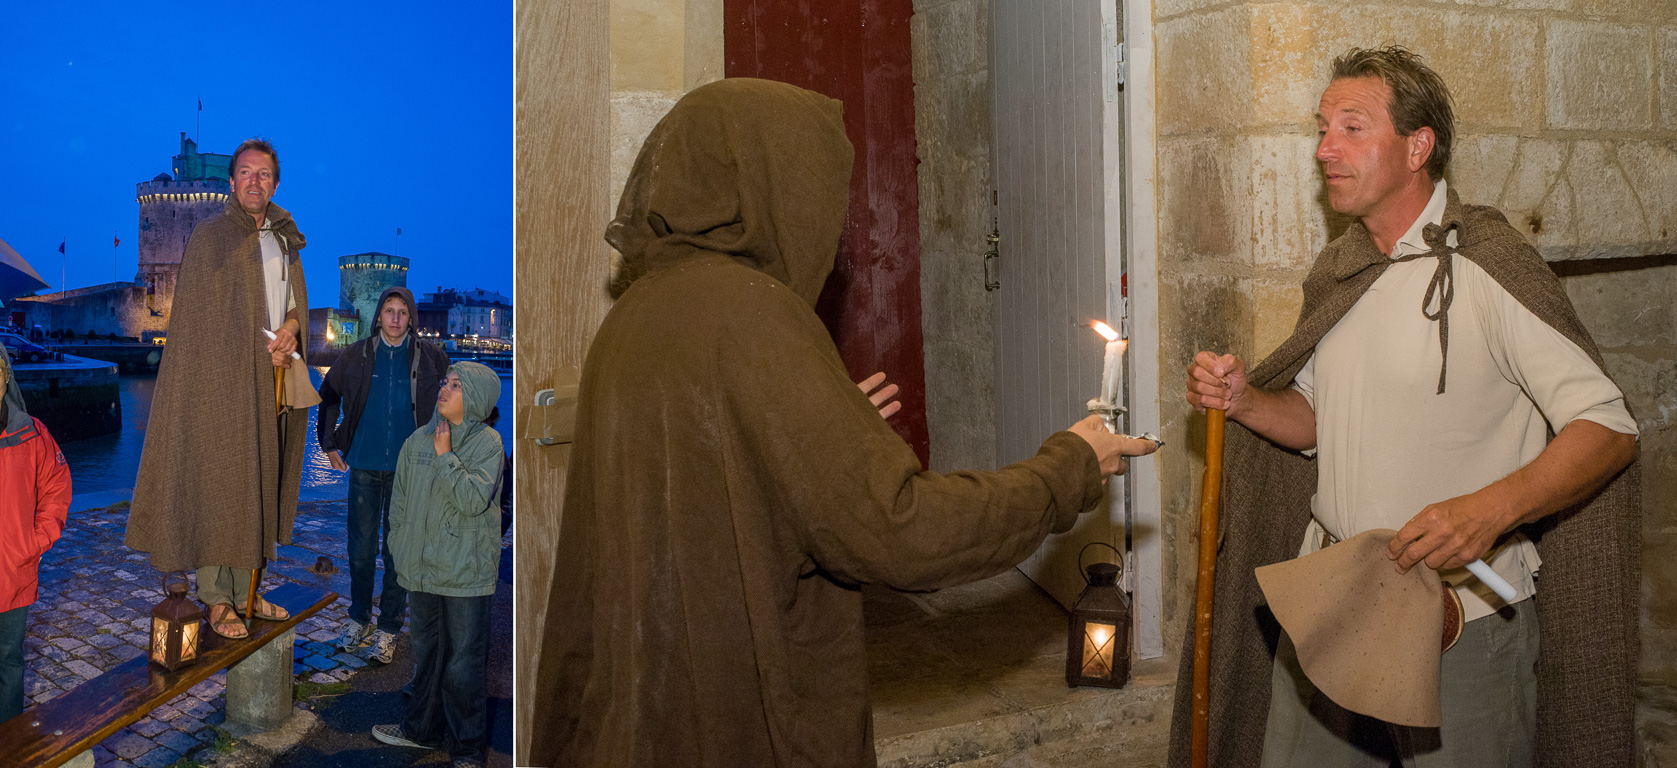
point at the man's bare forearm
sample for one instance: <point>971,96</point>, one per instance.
<point>1284,417</point>
<point>1574,465</point>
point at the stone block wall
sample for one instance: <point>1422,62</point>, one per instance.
<point>1567,121</point>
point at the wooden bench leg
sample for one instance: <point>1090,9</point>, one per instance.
<point>259,689</point>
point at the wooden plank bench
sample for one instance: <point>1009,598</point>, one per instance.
<point>65,728</point>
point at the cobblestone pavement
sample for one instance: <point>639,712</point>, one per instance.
<point>95,606</point>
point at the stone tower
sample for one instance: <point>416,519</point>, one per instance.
<point>362,278</point>
<point>169,209</point>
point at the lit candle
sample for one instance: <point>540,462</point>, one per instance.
<point>1112,372</point>
<point>1097,650</point>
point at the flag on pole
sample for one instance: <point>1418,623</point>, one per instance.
<point>200,105</point>
<point>398,231</point>
<point>61,246</point>
<point>118,243</point>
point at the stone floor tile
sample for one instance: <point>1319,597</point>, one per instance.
<point>128,745</point>
<point>82,668</point>
<point>149,727</point>
<point>179,741</point>
<point>199,709</point>
<point>157,758</point>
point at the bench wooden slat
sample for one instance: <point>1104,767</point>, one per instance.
<point>88,713</point>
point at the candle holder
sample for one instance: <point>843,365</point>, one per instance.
<point>1108,411</point>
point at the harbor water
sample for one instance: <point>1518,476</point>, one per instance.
<point>110,462</point>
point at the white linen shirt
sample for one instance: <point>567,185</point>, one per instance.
<point>1389,445</point>
<point>274,278</point>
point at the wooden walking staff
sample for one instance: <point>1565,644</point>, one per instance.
<point>1211,491</point>
<point>262,546</point>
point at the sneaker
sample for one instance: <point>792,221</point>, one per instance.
<point>356,635</point>
<point>383,648</point>
<point>392,735</point>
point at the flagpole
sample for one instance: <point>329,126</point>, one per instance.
<point>115,243</point>
<point>198,128</point>
<point>63,270</point>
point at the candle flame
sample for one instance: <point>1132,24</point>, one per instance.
<point>1104,330</point>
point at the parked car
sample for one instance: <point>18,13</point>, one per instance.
<point>24,351</point>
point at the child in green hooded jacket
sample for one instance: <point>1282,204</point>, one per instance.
<point>445,536</point>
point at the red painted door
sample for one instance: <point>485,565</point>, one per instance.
<point>860,54</point>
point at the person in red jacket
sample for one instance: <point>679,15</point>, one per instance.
<point>34,501</point>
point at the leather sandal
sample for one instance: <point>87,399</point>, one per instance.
<point>225,622</point>
<point>266,611</point>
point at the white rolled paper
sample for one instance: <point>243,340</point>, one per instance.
<point>1493,580</point>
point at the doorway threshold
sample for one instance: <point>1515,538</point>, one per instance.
<point>974,677</point>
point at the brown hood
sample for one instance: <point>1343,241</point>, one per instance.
<point>754,169</point>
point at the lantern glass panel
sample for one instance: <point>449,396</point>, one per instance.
<point>159,640</point>
<point>189,642</point>
<point>1097,649</point>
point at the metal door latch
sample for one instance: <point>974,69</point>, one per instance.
<point>551,419</point>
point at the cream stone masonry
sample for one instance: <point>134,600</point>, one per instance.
<point>1667,73</point>
<point>1600,76</point>
<point>660,50</point>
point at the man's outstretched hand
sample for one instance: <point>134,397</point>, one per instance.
<point>1110,449</point>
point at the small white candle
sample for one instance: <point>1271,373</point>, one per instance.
<point>1112,372</point>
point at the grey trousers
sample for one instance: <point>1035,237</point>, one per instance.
<point>1488,691</point>
<point>221,584</point>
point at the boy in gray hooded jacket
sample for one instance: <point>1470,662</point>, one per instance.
<point>445,535</point>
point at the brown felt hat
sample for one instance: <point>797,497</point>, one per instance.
<point>1367,636</point>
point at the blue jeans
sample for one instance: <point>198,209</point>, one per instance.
<point>369,532</point>
<point>12,625</point>
<point>451,671</point>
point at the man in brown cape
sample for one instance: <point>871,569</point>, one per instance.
<point>731,487</point>
<point>219,474</point>
<point>1434,356</point>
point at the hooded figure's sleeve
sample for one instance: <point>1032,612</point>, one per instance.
<point>852,492</point>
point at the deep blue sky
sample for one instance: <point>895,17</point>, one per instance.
<point>384,115</point>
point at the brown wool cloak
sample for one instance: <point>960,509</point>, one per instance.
<point>730,486</point>
<point>1587,589</point>
<point>213,487</point>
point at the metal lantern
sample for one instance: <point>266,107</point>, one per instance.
<point>1098,640</point>
<point>175,625</point>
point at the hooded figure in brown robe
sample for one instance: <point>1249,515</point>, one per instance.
<point>731,487</point>
<point>214,486</point>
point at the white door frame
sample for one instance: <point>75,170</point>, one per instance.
<point>1140,189</point>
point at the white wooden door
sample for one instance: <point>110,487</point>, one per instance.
<point>1058,146</point>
